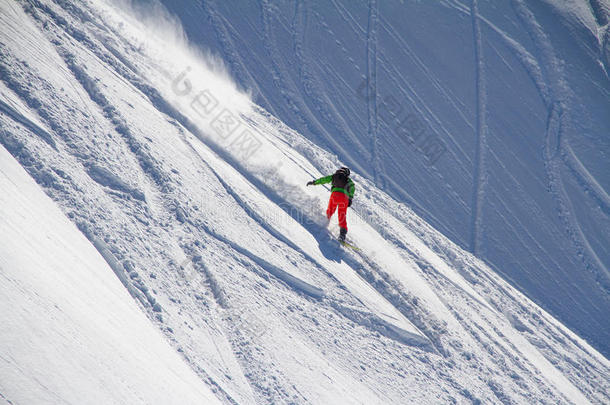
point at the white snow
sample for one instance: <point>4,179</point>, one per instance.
<point>70,331</point>
<point>218,278</point>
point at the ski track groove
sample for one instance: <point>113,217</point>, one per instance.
<point>431,120</point>
<point>505,354</point>
<point>279,142</point>
<point>370,320</point>
<point>395,187</point>
<point>28,123</point>
<point>362,33</point>
<point>400,244</point>
<point>8,401</point>
<point>397,78</point>
<point>523,232</point>
<point>555,141</point>
<point>285,277</point>
<point>584,179</point>
<point>29,99</point>
<point>480,170</point>
<point>550,93</point>
<point>296,104</point>
<point>527,60</point>
<point>564,205</point>
<point>409,93</point>
<point>371,93</point>
<point>504,351</point>
<point>434,80</point>
<point>421,263</point>
<point>406,196</point>
<point>434,121</point>
<point>221,324</point>
<point>288,279</point>
<point>148,164</point>
<point>551,330</point>
<point>384,285</point>
<point>308,78</point>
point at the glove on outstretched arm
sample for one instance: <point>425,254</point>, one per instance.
<point>311,183</point>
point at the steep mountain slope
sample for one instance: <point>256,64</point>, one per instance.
<point>194,197</point>
<point>62,307</point>
<point>489,118</point>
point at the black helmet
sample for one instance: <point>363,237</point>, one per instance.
<point>345,171</point>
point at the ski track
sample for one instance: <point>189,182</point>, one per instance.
<point>28,123</point>
<point>282,79</point>
<point>524,61</point>
<point>495,336</point>
<point>248,210</point>
<point>308,77</point>
<point>451,99</point>
<point>493,280</point>
<point>148,164</point>
<point>564,205</point>
<point>584,179</point>
<point>371,93</point>
<point>551,89</point>
<point>458,153</point>
<point>399,82</point>
<point>370,320</point>
<point>418,105</point>
<point>479,170</point>
<point>441,287</point>
<point>555,146</point>
<point>268,227</point>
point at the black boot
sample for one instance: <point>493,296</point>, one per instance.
<point>342,234</point>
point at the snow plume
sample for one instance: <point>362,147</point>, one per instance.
<point>203,98</point>
<point>195,82</point>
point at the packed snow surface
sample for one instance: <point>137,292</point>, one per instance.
<point>166,177</point>
<point>71,333</point>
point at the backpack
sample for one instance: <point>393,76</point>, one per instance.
<point>339,180</point>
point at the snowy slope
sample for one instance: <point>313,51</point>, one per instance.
<point>70,331</point>
<point>491,119</point>
<point>194,197</point>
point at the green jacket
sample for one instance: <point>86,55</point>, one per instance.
<point>348,190</point>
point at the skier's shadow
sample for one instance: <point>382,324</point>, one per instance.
<point>328,245</point>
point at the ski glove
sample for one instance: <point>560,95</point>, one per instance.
<point>311,183</point>
<point>349,204</point>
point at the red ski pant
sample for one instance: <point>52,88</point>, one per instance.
<point>338,200</point>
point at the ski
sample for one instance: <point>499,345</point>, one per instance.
<point>349,245</point>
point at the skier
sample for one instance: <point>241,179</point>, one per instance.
<point>342,192</point>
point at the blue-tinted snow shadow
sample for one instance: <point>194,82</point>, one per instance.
<point>328,245</point>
